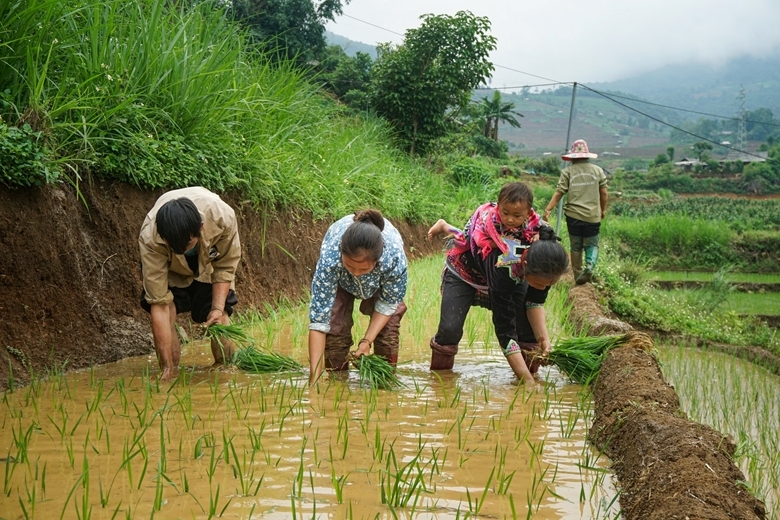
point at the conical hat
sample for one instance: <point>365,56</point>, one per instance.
<point>579,150</point>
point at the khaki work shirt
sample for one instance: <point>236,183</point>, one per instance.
<point>219,248</point>
<point>582,181</point>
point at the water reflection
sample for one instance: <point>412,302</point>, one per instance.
<point>106,443</point>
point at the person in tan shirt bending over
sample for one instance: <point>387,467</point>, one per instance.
<point>189,254</point>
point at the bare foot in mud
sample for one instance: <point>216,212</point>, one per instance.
<point>167,374</point>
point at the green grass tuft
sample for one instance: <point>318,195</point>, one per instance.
<point>258,361</point>
<point>377,372</point>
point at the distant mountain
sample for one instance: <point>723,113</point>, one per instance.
<point>707,88</point>
<point>351,47</point>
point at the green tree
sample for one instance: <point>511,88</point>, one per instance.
<point>700,149</point>
<point>660,159</point>
<point>345,76</point>
<point>495,111</point>
<point>434,70</point>
<point>670,153</point>
<point>760,124</point>
<point>293,29</point>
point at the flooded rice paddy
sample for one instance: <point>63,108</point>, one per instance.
<point>112,442</point>
<point>100,444</point>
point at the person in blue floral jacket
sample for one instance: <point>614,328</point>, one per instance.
<point>362,256</point>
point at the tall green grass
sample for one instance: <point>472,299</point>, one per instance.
<point>688,241</point>
<point>163,97</point>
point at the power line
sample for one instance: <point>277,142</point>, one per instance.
<point>669,124</point>
<point>371,24</point>
<point>691,111</point>
<point>555,82</point>
<point>521,86</point>
<point>495,65</point>
<point>532,75</point>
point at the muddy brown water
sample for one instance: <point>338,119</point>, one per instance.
<point>112,443</point>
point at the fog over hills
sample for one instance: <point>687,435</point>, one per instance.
<point>708,88</point>
<point>693,86</point>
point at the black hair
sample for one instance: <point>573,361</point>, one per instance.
<point>546,257</point>
<point>178,221</point>
<point>364,235</point>
<point>515,192</point>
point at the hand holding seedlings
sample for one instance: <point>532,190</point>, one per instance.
<point>363,349</point>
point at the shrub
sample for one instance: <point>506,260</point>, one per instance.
<point>469,170</point>
<point>25,159</point>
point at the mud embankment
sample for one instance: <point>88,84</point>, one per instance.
<point>70,275</point>
<point>667,466</point>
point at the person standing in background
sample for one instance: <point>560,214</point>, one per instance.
<point>585,185</point>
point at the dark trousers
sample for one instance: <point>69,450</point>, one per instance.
<point>457,297</point>
<point>339,340</point>
<point>195,299</point>
<point>582,234</point>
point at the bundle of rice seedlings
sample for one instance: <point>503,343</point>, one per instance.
<point>232,333</point>
<point>257,361</point>
<point>581,358</point>
<point>377,372</point>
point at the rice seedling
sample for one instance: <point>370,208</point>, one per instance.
<point>244,471</point>
<point>580,358</point>
<point>257,361</point>
<point>377,372</point>
<point>338,484</point>
<point>233,333</point>
<point>399,485</point>
<point>476,506</point>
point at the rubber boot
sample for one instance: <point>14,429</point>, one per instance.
<point>576,263</point>
<point>442,356</point>
<point>441,361</point>
<point>591,255</point>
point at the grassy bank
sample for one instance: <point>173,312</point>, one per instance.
<point>703,233</point>
<point>165,97</point>
<point>703,314</point>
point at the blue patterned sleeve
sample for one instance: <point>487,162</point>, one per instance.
<point>325,281</point>
<point>393,288</point>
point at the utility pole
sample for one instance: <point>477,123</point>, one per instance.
<point>741,129</point>
<point>566,149</point>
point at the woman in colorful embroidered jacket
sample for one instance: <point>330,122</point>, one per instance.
<point>362,256</point>
<point>505,259</point>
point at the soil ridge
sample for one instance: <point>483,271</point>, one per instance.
<point>667,466</point>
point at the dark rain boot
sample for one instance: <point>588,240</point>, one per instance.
<point>576,263</point>
<point>337,351</point>
<point>442,356</point>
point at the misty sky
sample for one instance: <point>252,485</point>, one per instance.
<point>599,40</point>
